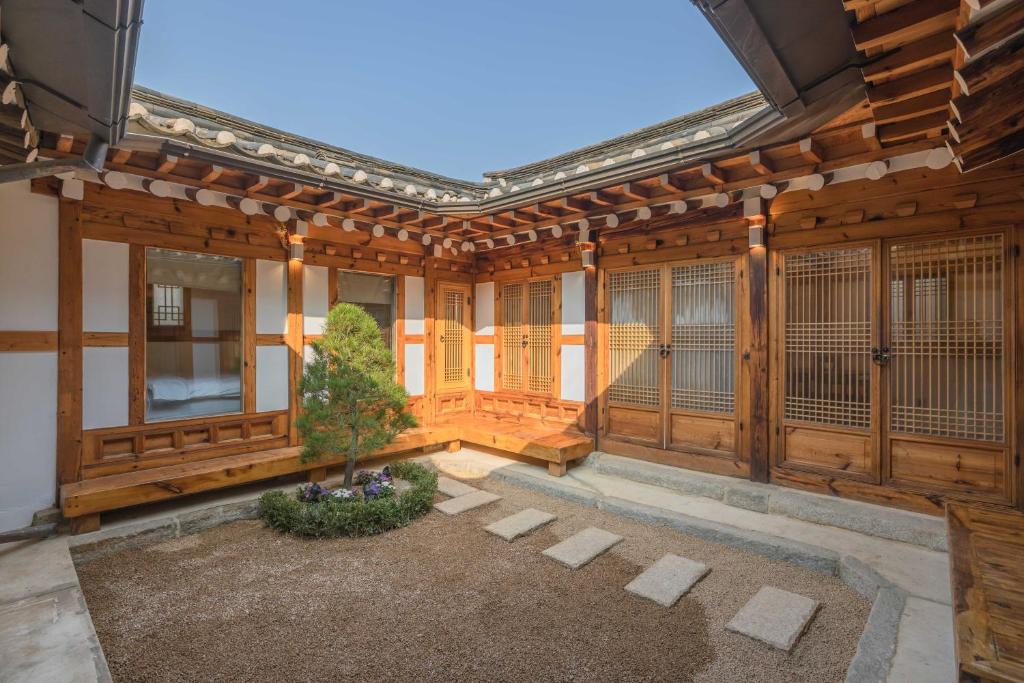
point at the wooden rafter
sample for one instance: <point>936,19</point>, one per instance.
<point>907,23</point>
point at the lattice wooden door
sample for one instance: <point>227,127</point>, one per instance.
<point>944,363</point>
<point>451,329</point>
<point>526,336</point>
<point>702,356</point>
<point>635,347</point>
<point>827,381</point>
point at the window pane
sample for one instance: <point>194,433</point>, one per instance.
<point>193,335</point>
<point>375,294</point>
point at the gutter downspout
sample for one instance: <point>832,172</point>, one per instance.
<point>93,158</point>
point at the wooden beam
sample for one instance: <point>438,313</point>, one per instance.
<point>290,191</point>
<point>328,199</point>
<point>912,128</point>
<point>994,151</point>
<point>756,363</point>
<point>544,210</point>
<point>167,163</point>
<point>591,384</point>
<point>760,163</point>
<point>602,198</point>
<point>635,191</point>
<point>987,32</point>
<point>908,109</point>
<point>992,67</point>
<point>926,53</point>
<point>120,156</point>
<point>249,335</point>
<point>713,174</point>
<point>987,104</point>
<point>913,20</point>
<point>210,173</point>
<point>65,143</point>
<point>575,203</point>
<point>69,342</point>
<point>256,183</point>
<point>811,151</point>
<point>908,87</point>
<point>671,183</point>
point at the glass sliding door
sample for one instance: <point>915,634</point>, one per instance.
<point>193,335</point>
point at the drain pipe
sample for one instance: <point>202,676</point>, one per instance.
<point>93,158</point>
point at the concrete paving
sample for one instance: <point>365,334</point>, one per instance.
<point>668,579</point>
<point>470,501</point>
<point>925,625</point>
<point>775,617</point>
<point>453,488</point>
<point>581,548</point>
<point>521,523</point>
<point>46,633</point>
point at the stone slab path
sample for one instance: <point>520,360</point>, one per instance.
<point>453,488</point>
<point>460,504</point>
<point>581,548</point>
<point>774,616</point>
<point>520,524</point>
<point>668,579</point>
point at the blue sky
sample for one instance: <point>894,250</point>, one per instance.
<point>453,86</point>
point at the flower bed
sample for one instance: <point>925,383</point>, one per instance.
<point>371,507</point>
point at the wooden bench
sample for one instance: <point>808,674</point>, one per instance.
<point>986,552</point>
<point>83,501</point>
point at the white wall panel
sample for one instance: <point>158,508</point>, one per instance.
<point>104,387</point>
<point>271,297</point>
<point>574,369</point>
<point>573,303</point>
<point>28,259</point>
<point>271,378</point>
<point>414,369</point>
<point>28,435</point>
<point>104,286</point>
<point>314,299</point>
<point>484,308</point>
<point>413,313</point>
<point>484,356</point>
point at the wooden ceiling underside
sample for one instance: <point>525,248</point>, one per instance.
<point>944,69</point>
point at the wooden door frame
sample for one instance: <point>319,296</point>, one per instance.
<point>554,392</point>
<point>467,341</point>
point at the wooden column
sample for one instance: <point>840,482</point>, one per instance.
<point>69,342</point>
<point>294,337</point>
<point>136,334</point>
<point>591,390</point>
<point>249,336</point>
<point>756,359</point>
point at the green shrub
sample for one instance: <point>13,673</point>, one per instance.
<point>333,517</point>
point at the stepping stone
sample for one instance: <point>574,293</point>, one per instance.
<point>577,550</point>
<point>668,579</point>
<point>459,504</point>
<point>453,488</point>
<point>774,616</point>
<point>519,524</point>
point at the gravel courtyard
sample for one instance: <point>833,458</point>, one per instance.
<point>444,600</point>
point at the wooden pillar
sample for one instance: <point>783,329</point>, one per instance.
<point>295,342</point>
<point>249,336</point>
<point>756,356</point>
<point>588,252</point>
<point>136,334</point>
<point>69,342</point>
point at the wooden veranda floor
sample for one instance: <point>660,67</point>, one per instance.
<point>986,549</point>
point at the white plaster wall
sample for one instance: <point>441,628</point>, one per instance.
<point>574,369</point>
<point>484,357</point>
<point>104,286</point>
<point>314,299</point>
<point>413,313</point>
<point>485,308</point>
<point>414,369</point>
<point>307,354</point>
<point>28,259</point>
<point>28,435</point>
<point>271,297</point>
<point>104,387</point>
<point>271,378</point>
<point>28,381</point>
<point>573,303</point>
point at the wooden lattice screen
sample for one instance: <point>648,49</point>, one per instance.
<point>453,329</point>
<point>539,346</point>
<point>946,339</point>
<point>827,332</point>
<point>634,335</point>
<point>512,336</point>
<point>703,337</point>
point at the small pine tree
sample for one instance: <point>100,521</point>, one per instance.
<point>351,402</point>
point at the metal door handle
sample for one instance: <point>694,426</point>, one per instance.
<point>880,355</point>
<point>525,342</point>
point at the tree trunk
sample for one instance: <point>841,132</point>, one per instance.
<point>350,464</point>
